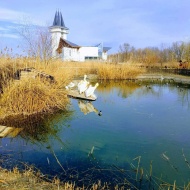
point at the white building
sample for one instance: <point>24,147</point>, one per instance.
<point>69,51</point>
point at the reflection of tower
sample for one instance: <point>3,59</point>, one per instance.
<point>58,30</point>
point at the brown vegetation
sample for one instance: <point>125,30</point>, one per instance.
<point>32,96</point>
<point>168,56</point>
<point>30,178</point>
<point>118,71</point>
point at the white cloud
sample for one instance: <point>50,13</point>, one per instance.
<point>3,29</point>
<point>9,36</point>
<point>11,15</point>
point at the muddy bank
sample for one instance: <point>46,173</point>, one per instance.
<point>164,77</point>
<point>154,77</point>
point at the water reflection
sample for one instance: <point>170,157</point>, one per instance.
<point>140,120</point>
<point>125,88</point>
<point>141,88</point>
<point>87,107</point>
<point>9,132</point>
<point>35,128</point>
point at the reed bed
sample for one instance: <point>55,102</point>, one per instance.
<point>118,72</point>
<point>73,69</point>
<point>30,179</point>
<point>6,71</point>
<point>31,96</point>
<point>103,70</point>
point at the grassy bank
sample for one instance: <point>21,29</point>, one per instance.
<point>118,72</point>
<point>31,178</point>
<point>34,95</point>
<point>31,95</point>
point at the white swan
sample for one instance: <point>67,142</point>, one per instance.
<point>83,85</point>
<point>70,85</point>
<point>161,78</point>
<point>82,81</point>
<point>90,90</point>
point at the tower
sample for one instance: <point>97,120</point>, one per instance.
<point>58,30</point>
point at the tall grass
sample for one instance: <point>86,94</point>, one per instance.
<point>6,71</point>
<point>103,70</point>
<point>122,71</point>
<point>31,96</point>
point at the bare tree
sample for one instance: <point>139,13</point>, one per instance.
<point>37,40</point>
<point>126,52</point>
<point>178,49</point>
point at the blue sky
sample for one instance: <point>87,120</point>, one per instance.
<point>141,23</point>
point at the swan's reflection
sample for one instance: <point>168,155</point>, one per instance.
<point>87,107</point>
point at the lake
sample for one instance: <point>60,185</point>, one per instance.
<point>135,134</point>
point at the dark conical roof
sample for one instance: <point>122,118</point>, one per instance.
<point>58,20</point>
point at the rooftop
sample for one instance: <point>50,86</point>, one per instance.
<point>58,20</point>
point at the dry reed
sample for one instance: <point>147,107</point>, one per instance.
<point>31,96</point>
<point>122,71</point>
<point>30,178</point>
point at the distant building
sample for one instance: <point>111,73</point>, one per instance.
<point>69,51</point>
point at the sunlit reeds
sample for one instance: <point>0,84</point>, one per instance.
<point>31,96</point>
<point>118,72</point>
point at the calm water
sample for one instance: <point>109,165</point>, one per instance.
<point>139,125</point>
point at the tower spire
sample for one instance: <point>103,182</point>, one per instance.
<point>62,22</point>
<point>55,19</point>
<point>58,20</point>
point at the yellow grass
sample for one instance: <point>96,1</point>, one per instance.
<point>31,96</point>
<point>102,70</point>
<point>121,71</point>
<point>6,71</point>
<point>30,178</point>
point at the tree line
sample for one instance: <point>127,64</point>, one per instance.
<point>177,52</point>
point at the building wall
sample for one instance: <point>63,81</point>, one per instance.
<point>73,54</point>
<point>70,54</point>
<point>87,52</point>
<point>56,34</point>
<point>104,55</point>
<point>82,54</point>
<point>55,37</point>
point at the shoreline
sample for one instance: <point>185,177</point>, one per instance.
<point>165,77</point>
